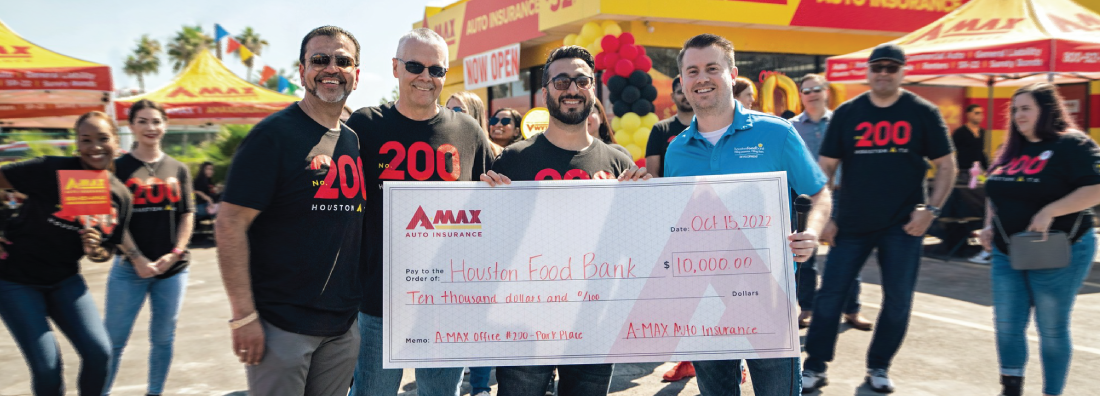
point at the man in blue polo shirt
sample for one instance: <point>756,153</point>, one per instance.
<point>726,138</point>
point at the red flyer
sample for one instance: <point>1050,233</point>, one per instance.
<point>84,192</point>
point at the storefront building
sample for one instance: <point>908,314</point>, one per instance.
<point>789,37</point>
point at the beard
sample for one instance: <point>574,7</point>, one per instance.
<point>329,98</point>
<point>570,118</point>
<point>684,106</point>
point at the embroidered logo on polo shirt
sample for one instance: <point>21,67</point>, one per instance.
<point>749,151</point>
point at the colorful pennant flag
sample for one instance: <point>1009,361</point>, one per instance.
<point>219,33</point>
<point>267,73</point>
<point>245,53</point>
<point>283,84</point>
<point>232,46</point>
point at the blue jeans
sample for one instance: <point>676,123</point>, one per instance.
<point>24,309</point>
<point>899,262</point>
<point>1052,293</point>
<point>126,293</point>
<point>479,379</point>
<point>372,380</point>
<point>807,288</point>
<point>573,380</point>
<point>770,377</point>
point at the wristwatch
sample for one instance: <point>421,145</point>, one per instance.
<point>934,209</point>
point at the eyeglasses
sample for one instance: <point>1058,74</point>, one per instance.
<point>807,91</point>
<point>321,61</point>
<point>502,121</point>
<point>415,67</point>
<point>562,83</point>
<point>889,69</point>
<point>458,109</point>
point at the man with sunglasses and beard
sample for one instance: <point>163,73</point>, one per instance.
<point>883,137</point>
<point>413,138</point>
<point>666,129</point>
<point>564,151</point>
<point>288,243</point>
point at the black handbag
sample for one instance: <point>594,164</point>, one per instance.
<point>1028,251</point>
<point>185,258</point>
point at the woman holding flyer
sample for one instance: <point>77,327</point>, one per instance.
<point>39,260</point>
<point>154,260</point>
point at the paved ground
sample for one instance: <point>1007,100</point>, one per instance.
<point>949,349</point>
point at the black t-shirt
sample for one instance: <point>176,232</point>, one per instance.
<point>538,159</point>
<point>45,248</point>
<point>662,134</point>
<point>446,147</point>
<point>1044,172</point>
<point>206,186</point>
<point>306,181</point>
<point>883,151</point>
<point>160,199</point>
<point>969,149</point>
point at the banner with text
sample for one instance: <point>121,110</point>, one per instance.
<point>588,271</point>
<point>493,67</point>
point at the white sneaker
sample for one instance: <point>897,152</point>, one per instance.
<point>482,393</point>
<point>812,380</point>
<point>980,258</point>
<point>879,382</point>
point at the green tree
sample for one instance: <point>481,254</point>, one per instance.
<point>393,96</point>
<point>251,40</point>
<point>187,43</point>
<point>145,59</point>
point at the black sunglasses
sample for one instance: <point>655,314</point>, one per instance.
<point>807,91</point>
<point>889,69</point>
<point>562,83</point>
<point>415,67</point>
<point>321,61</point>
<point>502,121</point>
<point>458,109</point>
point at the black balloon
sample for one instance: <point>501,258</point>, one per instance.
<point>649,93</point>
<point>616,83</point>
<point>613,95</point>
<point>630,94</point>
<point>642,107</point>
<point>638,79</point>
<point>620,108</point>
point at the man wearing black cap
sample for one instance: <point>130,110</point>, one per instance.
<point>883,137</point>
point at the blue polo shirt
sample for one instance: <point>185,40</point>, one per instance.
<point>755,142</point>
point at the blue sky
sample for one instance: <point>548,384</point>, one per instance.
<point>106,31</point>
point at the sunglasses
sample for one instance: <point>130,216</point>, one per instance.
<point>321,61</point>
<point>458,109</point>
<point>889,69</point>
<point>807,91</point>
<point>501,121</point>
<point>415,67</point>
<point>562,83</point>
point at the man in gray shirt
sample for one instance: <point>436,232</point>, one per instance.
<point>811,125</point>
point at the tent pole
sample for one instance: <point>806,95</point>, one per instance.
<point>989,117</point>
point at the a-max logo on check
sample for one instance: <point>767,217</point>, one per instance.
<point>446,219</point>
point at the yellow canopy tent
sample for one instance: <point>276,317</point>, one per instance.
<point>40,88</point>
<point>206,92</point>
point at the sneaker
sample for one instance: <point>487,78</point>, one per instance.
<point>680,371</point>
<point>879,382</point>
<point>482,393</point>
<point>980,258</point>
<point>812,380</point>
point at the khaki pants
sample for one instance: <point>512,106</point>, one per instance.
<point>296,364</point>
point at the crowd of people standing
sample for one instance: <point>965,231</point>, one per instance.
<point>305,285</point>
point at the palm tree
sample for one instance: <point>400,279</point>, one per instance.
<point>251,40</point>
<point>144,60</point>
<point>187,43</point>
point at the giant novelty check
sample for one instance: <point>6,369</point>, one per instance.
<point>588,271</point>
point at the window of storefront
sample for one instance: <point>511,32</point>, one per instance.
<point>516,94</point>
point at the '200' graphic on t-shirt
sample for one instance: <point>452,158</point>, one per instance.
<point>1025,164</point>
<point>154,190</point>
<point>883,133</point>
<point>328,188</point>
<point>551,174</point>
<point>434,161</point>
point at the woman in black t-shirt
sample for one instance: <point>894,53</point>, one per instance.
<point>40,256</point>
<point>154,246</point>
<point>1046,177</point>
<point>206,193</point>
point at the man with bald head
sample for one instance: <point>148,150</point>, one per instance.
<point>392,137</point>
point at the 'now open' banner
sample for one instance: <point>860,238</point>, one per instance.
<point>493,67</point>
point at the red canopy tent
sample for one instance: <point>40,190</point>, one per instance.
<point>40,88</point>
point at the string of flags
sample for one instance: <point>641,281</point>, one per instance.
<point>245,54</point>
